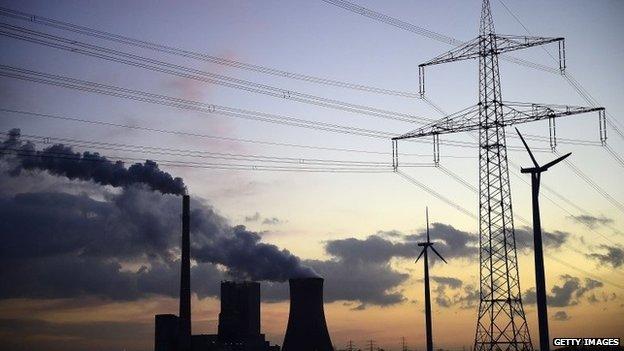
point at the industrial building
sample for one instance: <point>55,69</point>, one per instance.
<point>239,319</point>
<point>239,324</point>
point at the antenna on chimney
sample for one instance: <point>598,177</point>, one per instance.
<point>540,279</point>
<point>428,245</point>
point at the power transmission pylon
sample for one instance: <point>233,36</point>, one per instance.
<point>350,346</point>
<point>540,279</point>
<point>371,345</point>
<point>501,323</point>
<point>424,253</point>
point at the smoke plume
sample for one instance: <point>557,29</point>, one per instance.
<point>61,160</point>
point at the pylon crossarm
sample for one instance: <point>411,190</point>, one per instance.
<point>465,51</point>
<point>508,43</point>
<point>516,112</point>
<point>466,119</point>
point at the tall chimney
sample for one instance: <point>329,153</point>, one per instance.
<point>184,336</point>
<point>307,329</point>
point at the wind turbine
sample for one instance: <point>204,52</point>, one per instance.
<point>540,280</point>
<point>426,245</point>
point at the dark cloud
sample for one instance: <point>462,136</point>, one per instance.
<point>591,221</point>
<point>561,316</point>
<point>553,240</point>
<point>253,218</point>
<point>272,221</point>
<point>450,242</point>
<point>372,249</point>
<point>451,291</point>
<point>72,245</point>
<point>566,294</point>
<point>60,245</point>
<point>61,160</point>
<point>613,257</point>
<point>366,282</point>
<point>451,282</point>
<point>256,217</point>
<point>247,258</point>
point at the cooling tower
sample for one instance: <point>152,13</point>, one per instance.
<point>307,329</point>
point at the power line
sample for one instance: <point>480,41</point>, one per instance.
<point>436,194</point>
<point>380,17</point>
<point>575,267</point>
<point>187,164</point>
<point>593,185</point>
<point>198,56</point>
<point>575,84</point>
<point>472,215</point>
<point>209,136</point>
<point>455,42</point>
<point>195,74</point>
<point>151,150</point>
<point>204,108</point>
<point>564,209</point>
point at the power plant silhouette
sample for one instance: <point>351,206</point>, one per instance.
<point>307,329</point>
<point>239,319</point>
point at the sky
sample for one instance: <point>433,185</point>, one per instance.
<point>92,262</point>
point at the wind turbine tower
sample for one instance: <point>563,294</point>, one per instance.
<point>540,280</point>
<point>424,253</point>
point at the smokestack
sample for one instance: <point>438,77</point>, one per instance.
<point>307,329</point>
<point>185,280</point>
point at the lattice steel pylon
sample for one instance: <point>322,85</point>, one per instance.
<point>501,323</point>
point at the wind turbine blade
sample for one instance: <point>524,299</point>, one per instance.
<point>527,147</point>
<point>421,253</point>
<point>552,163</point>
<point>437,253</point>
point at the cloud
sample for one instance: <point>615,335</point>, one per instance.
<point>253,218</point>
<point>451,282</point>
<point>450,242</point>
<point>272,221</point>
<point>63,245</point>
<point>566,294</point>
<point>366,282</point>
<point>60,245</point>
<point>256,217</point>
<point>614,256</point>
<point>450,291</point>
<point>373,249</point>
<point>553,240</point>
<point>591,221</point>
<point>561,316</point>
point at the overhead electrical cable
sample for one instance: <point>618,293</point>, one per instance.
<point>197,56</point>
<point>455,42</point>
<point>575,84</point>
<point>113,55</point>
<point>188,164</point>
<point>380,17</point>
<point>151,150</point>
<point>204,108</point>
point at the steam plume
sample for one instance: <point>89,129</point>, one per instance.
<point>61,160</point>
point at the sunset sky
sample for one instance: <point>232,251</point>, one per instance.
<point>87,266</point>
